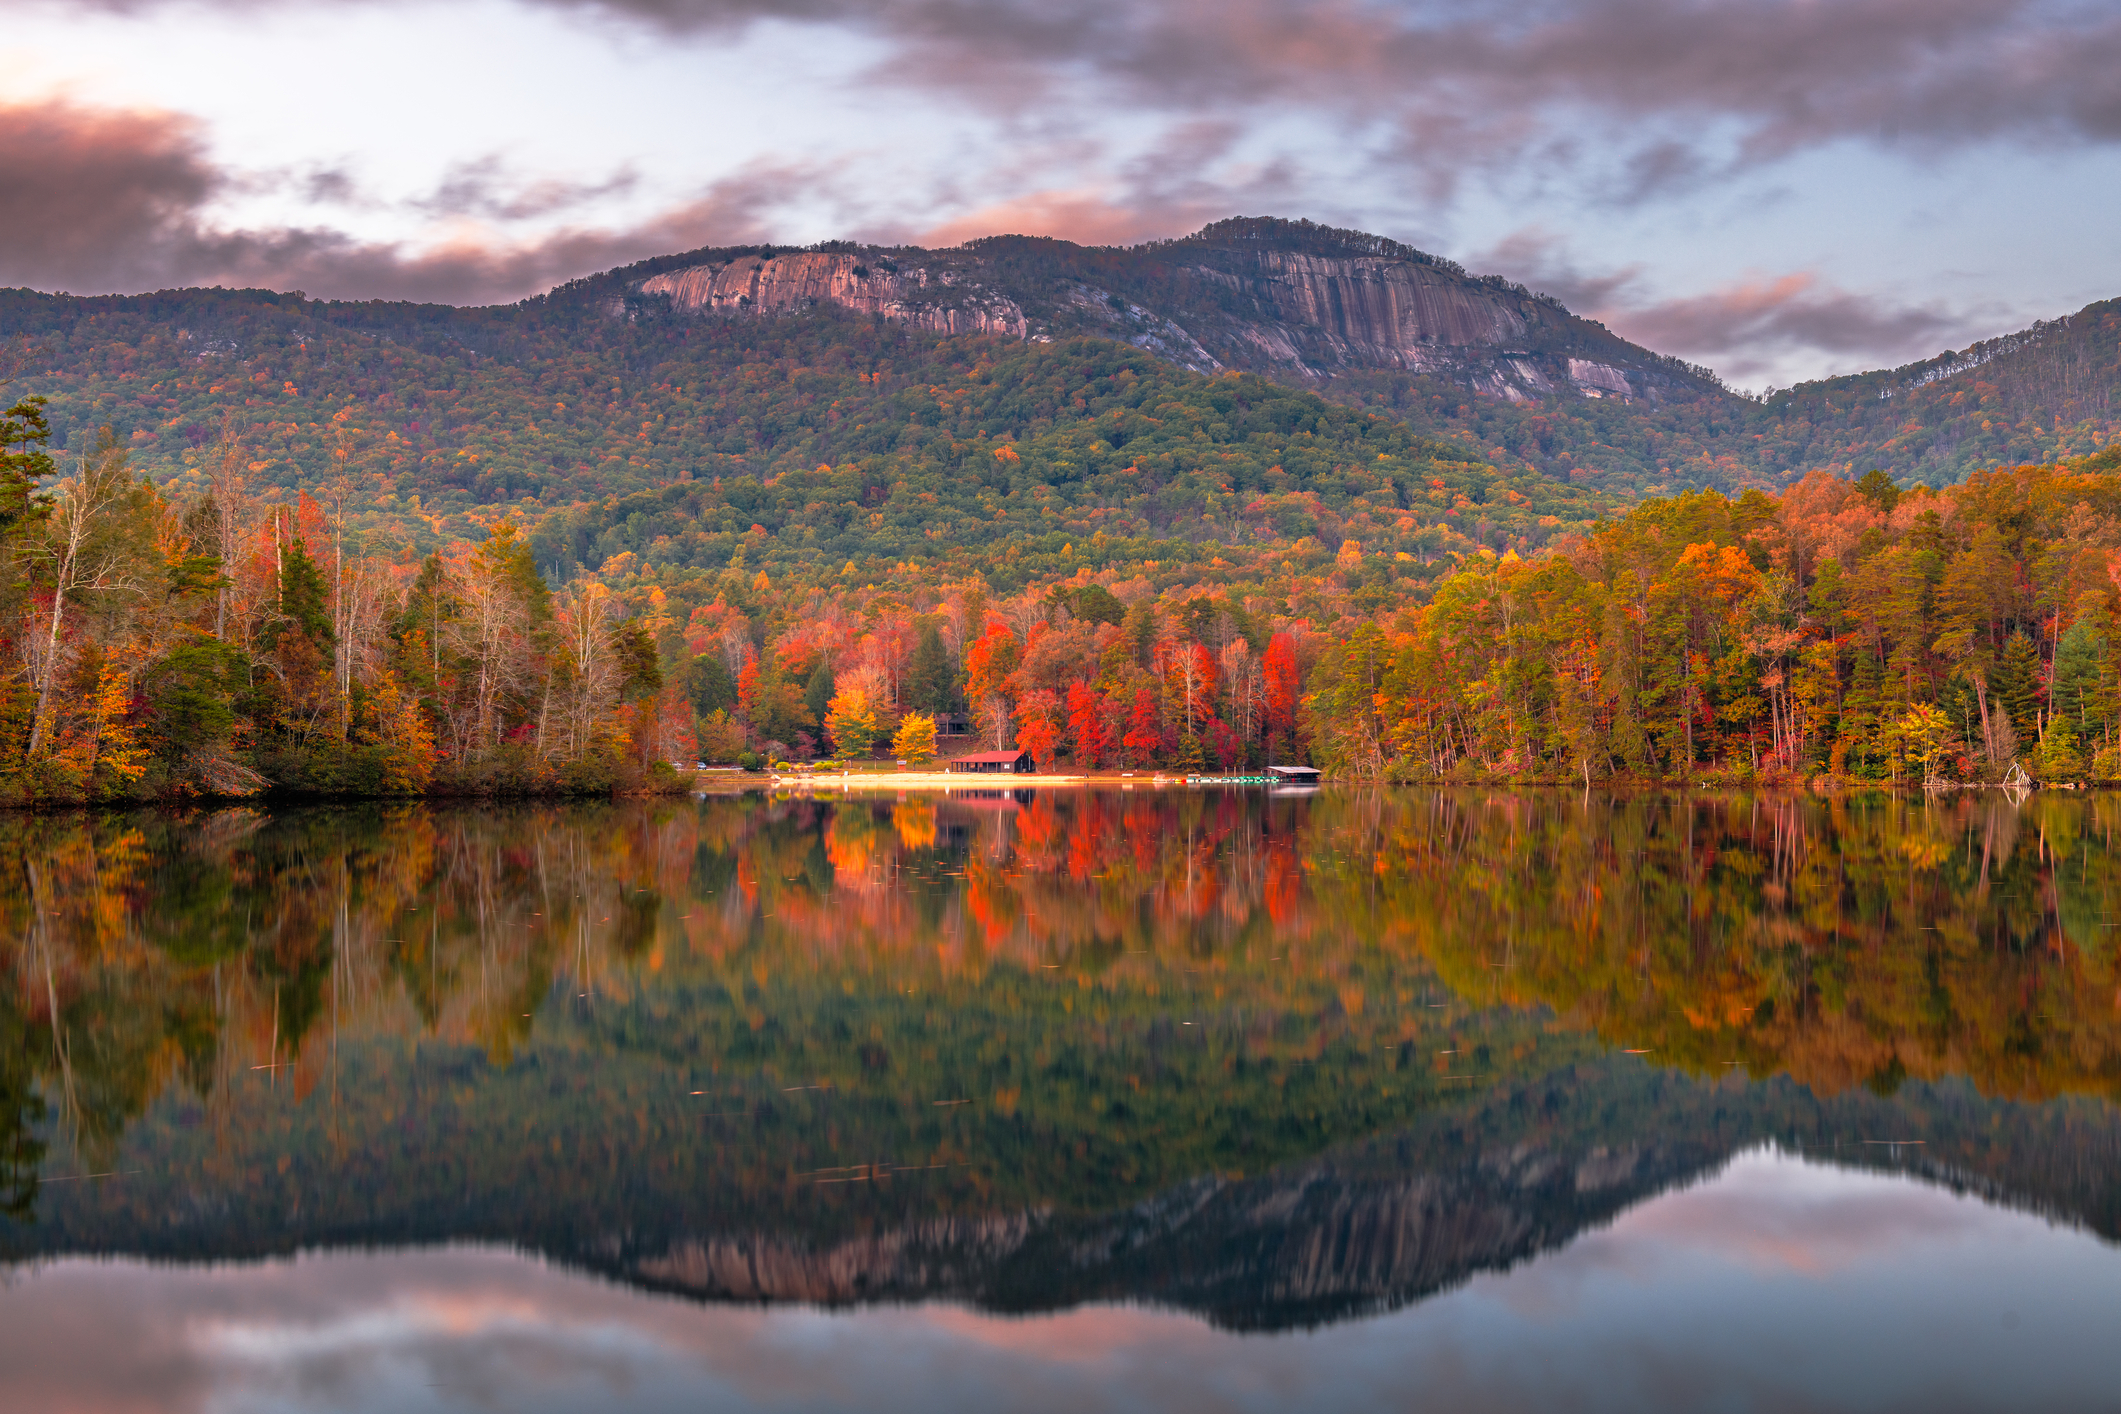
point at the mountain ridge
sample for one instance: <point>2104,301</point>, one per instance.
<point>627,382</point>
<point>1286,299</point>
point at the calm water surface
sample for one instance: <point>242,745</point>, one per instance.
<point>1175,1101</point>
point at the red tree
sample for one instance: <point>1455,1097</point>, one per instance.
<point>1145,734</point>
<point>1278,666</point>
<point>1086,722</point>
<point>988,665</point>
<point>990,661</point>
<point>1039,733</point>
<point>747,687</point>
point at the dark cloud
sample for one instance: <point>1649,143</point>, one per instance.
<point>335,185</point>
<point>1647,97</point>
<point>83,185</point>
<point>1458,77</point>
<point>107,201</point>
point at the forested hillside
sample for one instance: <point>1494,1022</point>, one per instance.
<point>2046,393</point>
<point>606,387</point>
<point>902,444</point>
<point>260,541</point>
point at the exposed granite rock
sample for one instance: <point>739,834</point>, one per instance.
<point>784,284</point>
<point>1280,298</point>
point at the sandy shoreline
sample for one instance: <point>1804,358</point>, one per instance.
<point>959,780</point>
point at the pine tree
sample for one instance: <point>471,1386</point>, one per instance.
<point>2081,693</point>
<point>819,694</point>
<point>304,596</point>
<point>2015,686</point>
<point>931,682</point>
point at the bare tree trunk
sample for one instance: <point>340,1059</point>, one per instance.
<point>39,728</point>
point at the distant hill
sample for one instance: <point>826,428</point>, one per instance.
<point>2043,394</point>
<point>1023,382</point>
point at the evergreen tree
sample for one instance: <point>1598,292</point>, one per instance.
<point>640,665</point>
<point>1095,604</point>
<point>1141,632</point>
<point>23,461</point>
<point>2015,686</point>
<point>818,695</point>
<point>1879,488</point>
<point>931,682</point>
<point>2082,692</point>
<point>304,596</point>
<point>708,685</point>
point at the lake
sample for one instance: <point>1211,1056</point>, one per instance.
<point>1196,1100</point>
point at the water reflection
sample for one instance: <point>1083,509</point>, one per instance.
<point>1778,1284</point>
<point>1276,1061</point>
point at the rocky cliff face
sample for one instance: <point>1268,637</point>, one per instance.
<point>1315,1243</point>
<point>784,284</point>
<point>1286,299</point>
<point>944,1254</point>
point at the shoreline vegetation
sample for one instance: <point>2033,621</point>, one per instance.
<point>1845,634</point>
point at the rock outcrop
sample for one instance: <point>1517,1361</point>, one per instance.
<point>784,284</point>
<point>1286,299</point>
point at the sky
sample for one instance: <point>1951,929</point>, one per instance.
<point>1781,189</point>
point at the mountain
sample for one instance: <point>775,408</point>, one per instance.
<point>1364,1226</point>
<point>1366,321</point>
<point>810,444</point>
<point>1293,301</point>
<point>868,406</point>
<point>2045,393</point>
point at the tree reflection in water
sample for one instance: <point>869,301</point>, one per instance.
<point>1038,1047</point>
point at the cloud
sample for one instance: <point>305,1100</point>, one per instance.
<point>1760,316</point>
<point>1082,216</point>
<point>1753,325</point>
<point>1189,176</point>
<point>84,185</point>
<point>484,187</point>
<point>106,200</point>
<point>1637,100</point>
<point>1457,79</point>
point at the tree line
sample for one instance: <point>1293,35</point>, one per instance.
<point>1850,629</point>
<point>221,644</point>
<point>222,638</point>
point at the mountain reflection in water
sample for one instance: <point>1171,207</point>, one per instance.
<point>1280,1062</point>
<point>1778,1284</point>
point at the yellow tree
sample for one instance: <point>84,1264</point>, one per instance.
<point>915,741</point>
<point>852,722</point>
<point>1923,736</point>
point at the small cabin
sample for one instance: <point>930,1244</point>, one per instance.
<point>997,763</point>
<point>1296,775</point>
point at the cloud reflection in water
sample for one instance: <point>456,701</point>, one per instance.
<point>1779,1283</point>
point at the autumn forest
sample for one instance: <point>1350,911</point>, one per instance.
<point>355,550</point>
